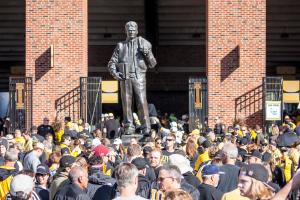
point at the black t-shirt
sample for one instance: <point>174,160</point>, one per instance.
<point>166,154</point>
<point>190,178</point>
<point>228,181</point>
<point>112,127</point>
<point>209,192</point>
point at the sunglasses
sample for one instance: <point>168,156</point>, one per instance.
<point>169,140</point>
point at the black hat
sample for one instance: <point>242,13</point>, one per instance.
<point>66,161</point>
<point>258,172</point>
<point>140,163</point>
<point>42,169</point>
<point>244,141</point>
<point>147,150</point>
<point>266,157</point>
<point>206,144</point>
<point>65,151</point>
<point>255,153</point>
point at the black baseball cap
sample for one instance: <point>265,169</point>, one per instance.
<point>255,153</point>
<point>66,161</point>
<point>244,141</point>
<point>206,144</point>
<point>42,169</point>
<point>258,172</point>
<point>140,163</point>
<point>65,151</point>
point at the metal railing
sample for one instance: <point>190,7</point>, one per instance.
<point>90,99</point>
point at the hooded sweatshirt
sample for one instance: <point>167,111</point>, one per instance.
<point>6,175</point>
<point>100,186</point>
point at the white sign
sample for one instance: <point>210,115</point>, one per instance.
<point>273,110</point>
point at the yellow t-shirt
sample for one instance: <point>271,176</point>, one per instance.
<point>253,135</point>
<point>20,140</point>
<point>287,169</point>
<point>58,135</point>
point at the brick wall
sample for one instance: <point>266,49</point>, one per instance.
<point>62,23</point>
<point>236,59</point>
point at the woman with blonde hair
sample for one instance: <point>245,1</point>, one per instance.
<point>177,195</point>
<point>253,181</point>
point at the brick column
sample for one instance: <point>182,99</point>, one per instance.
<point>63,24</point>
<point>236,59</point>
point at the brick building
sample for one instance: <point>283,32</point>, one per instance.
<point>234,43</point>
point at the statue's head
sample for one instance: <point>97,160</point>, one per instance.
<point>131,29</point>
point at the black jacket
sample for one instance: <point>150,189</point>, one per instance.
<point>100,186</point>
<point>190,178</point>
<point>71,192</point>
<point>209,192</point>
<point>190,189</point>
<point>143,186</point>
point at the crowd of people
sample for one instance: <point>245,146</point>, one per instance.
<point>68,160</point>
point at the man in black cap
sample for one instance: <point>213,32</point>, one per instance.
<point>61,178</point>
<point>259,173</point>
<point>142,165</point>
<point>210,177</point>
<point>42,178</point>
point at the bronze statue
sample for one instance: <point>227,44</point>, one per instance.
<point>129,64</point>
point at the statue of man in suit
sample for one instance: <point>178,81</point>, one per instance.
<point>128,64</point>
